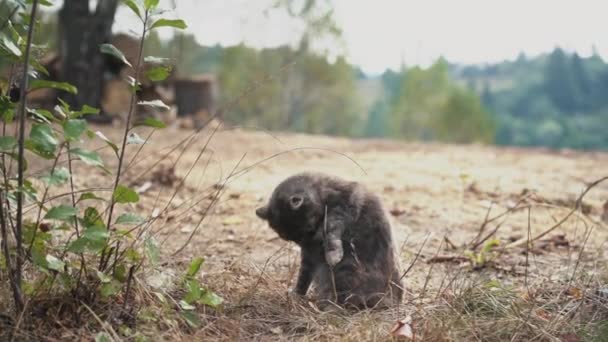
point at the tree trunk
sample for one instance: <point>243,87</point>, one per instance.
<point>82,31</point>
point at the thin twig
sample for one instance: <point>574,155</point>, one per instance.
<point>415,257</point>
<point>564,219</point>
<point>528,249</point>
<point>7,257</point>
<point>41,206</point>
<point>219,192</point>
<point>483,224</point>
<point>129,117</point>
<point>21,156</point>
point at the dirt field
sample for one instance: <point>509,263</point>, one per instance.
<point>438,193</point>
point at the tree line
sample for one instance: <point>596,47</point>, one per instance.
<point>556,100</point>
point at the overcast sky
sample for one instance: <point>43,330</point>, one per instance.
<point>379,34</point>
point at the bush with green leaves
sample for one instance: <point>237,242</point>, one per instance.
<point>80,247</point>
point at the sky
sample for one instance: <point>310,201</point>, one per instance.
<point>380,34</point>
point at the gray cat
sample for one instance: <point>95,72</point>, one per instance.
<point>344,237</point>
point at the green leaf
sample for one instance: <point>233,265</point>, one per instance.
<point>134,139</point>
<point>209,298</point>
<point>38,84</point>
<point>112,50</point>
<point>59,176</point>
<point>129,218</point>
<point>42,115</point>
<point>37,149</point>
<point>92,217</point>
<point>108,141</point>
<point>9,46</point>
<point>134,86</point>
<point>88,157</point>
<point>158,73</point>
<point>121,273</point>
<point>132,255</point>
<point>176,23</point>
<point>487,247</point>
<point>185,306</point>
<point>73,128</point>
<point>7,143</point>
<point>150,4</point>
<point>89,196</point>
<point>61,212</point>
<point>53,263</point>
<point>102,336</point>
<point>7,109</point>
<point>39,67</point>
<point>86,110</point>
<point>194,291</point>
<point>41,2</point>
<point>151,122</point>
<point>191,318</point>
<point>110,289</point>
<point>93,239</point>
<point>42,139</point>
<point>158,104</point>
<point>195,266</point>
<point>122,194</point>
<point>28,189</point>
<point>152,250</point>
<point>134,7</point>
<point>38,252</point>
<point>104,278</point>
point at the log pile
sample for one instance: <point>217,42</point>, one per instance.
<point>188,97</point>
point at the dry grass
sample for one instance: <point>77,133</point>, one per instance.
<point>472,305</point>
<point>551,293</point>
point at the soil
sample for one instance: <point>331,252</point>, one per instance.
<point>434,190</point>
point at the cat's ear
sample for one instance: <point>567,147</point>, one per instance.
<point>262,212</point>
<point>296,201</point>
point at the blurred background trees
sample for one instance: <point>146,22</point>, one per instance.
<point>558,99</point>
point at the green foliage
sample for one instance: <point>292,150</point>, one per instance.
<point>195,292</point>
<point>430,106</point>
<point>39,84</point>
<point>94,239</point>
<point>73,128</point>
<point>42,141</point>
<point>123,194</point>
<point>129,218</point>
<point>150,4</point>
<point>7,143</point>
<point>151,122</point>
<point>158,73</point>
<point>88,157</point>
<point>483,256</point>
<point>61,212</point>
<point>113,51</point>
<point>134,7</point>
<point>176,23</point>
<point>58,176</point>
<point>70,240</point>
<point>152,250</point>
<point>555,100</point>
<point>285,89</point>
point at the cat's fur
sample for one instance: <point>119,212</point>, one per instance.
<point>345,239</point>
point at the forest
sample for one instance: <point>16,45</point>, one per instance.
<point>554,100</point>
